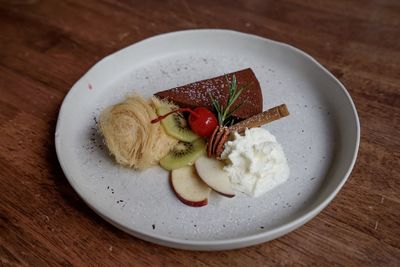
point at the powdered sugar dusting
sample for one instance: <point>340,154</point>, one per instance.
<point>148,203</point>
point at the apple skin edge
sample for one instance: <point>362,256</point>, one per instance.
<point>196,204</point>
<point>222,194</point>
<point>225,195</point>
<point>208,164</point>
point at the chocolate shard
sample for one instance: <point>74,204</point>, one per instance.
<point>197,94</point>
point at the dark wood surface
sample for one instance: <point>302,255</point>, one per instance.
<point>45,46</point>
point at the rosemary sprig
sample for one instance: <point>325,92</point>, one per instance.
<point>225,112</point>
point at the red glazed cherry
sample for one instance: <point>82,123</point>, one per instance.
<point>202,121</point>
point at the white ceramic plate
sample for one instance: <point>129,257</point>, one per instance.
<point>320,139</point>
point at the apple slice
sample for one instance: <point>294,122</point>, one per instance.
<point>211,172</point>
<point>188,186</point>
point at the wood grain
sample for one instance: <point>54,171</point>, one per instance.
<point>45,46</point>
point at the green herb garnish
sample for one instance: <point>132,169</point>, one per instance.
<point>224,112</point>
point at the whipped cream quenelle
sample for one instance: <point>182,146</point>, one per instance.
<point>256,162</point>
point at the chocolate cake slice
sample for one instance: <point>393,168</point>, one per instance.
<point>197,94</point>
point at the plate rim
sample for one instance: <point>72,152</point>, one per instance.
<point>220,244</point>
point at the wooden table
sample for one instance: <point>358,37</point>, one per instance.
<point>45,46</point>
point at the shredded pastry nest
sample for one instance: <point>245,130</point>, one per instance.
<point>131,137</point>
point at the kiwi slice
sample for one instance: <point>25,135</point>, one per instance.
<point>175,125</point>
<point>184,153</point>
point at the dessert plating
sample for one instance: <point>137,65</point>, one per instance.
<point>196,132</point>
